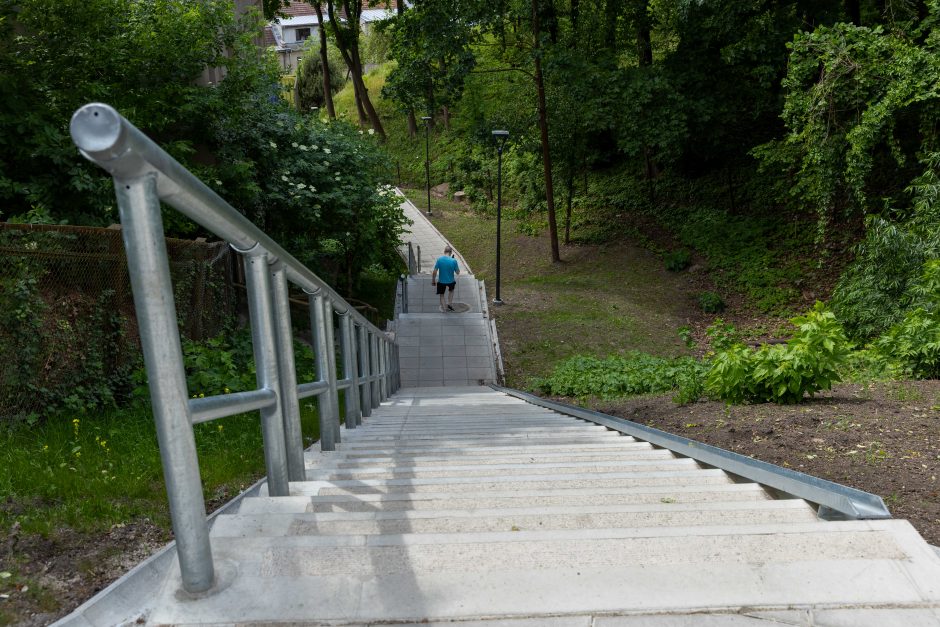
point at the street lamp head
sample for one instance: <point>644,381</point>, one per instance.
<point>426,118</point>
<point>501,134</point>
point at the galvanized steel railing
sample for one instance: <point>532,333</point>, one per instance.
<point>143,176</point>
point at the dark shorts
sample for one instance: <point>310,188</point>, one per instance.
<point>445,286</point>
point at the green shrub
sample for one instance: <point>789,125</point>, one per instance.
<point>886,278</point>
<point>782,373</point>
<point>619,376</point>
<point>913,344</point>
<point>678,260</point>
<point>710,302</point>
<point>225,364</point>
<point>722,335</point>
<point>310,80</point>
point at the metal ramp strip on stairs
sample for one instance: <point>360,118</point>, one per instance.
<point>836,501</point>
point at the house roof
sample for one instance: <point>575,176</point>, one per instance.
<point>376,15</point>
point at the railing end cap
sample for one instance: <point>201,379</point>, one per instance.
<point>96,128</point>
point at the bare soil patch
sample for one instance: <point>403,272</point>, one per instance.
<point>56,574</point>
<point>883,438</point>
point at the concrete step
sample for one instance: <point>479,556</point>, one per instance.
<point>478,427</point>
<point>492,520</point>
<point>554,468</point>
<point>443,500</point>
<point>505,430</point>
<point>438,461</point>
<point>502,448</point>
<point>518,482</point>
<point>474,442</point>
<point>357,437</point>
<point>419,578</point>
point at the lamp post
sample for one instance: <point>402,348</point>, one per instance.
<point>427,156</point>
<point>501,137</point>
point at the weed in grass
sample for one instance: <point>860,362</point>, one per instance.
<point>875,453</point>
<point>905,393</point>
<point>843,423</point>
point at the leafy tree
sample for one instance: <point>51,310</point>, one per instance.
<point>346,34</point>
<point>860,106</point>
<point>431,44</point>
<point>314,187</point>
<point>141,57</point>
<point>311,82</point>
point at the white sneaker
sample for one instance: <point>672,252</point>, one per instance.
<point>441,309</point>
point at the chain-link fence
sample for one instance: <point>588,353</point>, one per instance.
<point>68,335</point>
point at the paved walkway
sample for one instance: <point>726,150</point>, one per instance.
<point>451,348</point>
<point>424,235</point>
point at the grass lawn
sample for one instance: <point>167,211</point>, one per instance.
<point>600,300</point>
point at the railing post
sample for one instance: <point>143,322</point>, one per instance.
<point>365,388</point>
<point>327,409</point>
<point>264,346</point>
<point>419,261</point>
<point>383,367</point>
<point>396,364</point>
<point>349,370</point>
<point>290,404</point>
<point>404,293</point>
<point>149,268</point>
<point>331,354</point>
<point>376,391</point>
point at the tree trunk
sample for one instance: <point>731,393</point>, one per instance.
<point>543,131</point>
<point>364,96</point>
<point>644,43</point>
<point>446,115</point>
<point>568,207</point>
<point>347,40</point>
<point>359,108</point>
<point>324,61</point>
<point>611,17</point>
<point>412,124</point>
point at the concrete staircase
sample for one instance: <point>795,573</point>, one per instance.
<point>465,504</point>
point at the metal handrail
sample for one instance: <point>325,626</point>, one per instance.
<point>144,175</point>
<point>836,501</point>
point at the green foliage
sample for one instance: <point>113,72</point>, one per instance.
<point>91,472</point>
<point>854,94</point>
<point>882,281</point>
<point>710,302</point>
<point>310,80</point>
<point>34,328</point>
<point>301,180</point>
<point>618,376</point>
<point>763,257</point>
<point>913,344</point>
<point>782,373</point>
<point>722,335</point>
<point>225,364</point>
<point>141,57</point>
<point>430,44</point>
<point>678,260</point>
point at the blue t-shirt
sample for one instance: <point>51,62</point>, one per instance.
<point>446,267</point>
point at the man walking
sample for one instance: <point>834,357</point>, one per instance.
<point>446,265</point>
